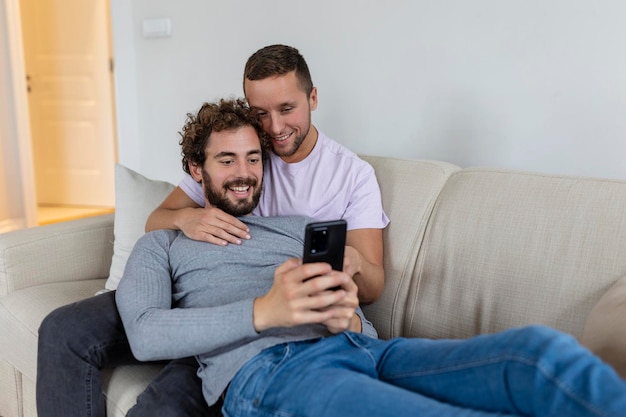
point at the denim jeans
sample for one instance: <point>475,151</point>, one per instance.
<point>77,341</point>
<point>532,371</point>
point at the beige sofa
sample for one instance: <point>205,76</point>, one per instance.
<point>468,251</point>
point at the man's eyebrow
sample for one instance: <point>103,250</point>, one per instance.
<point>224,153</point>
<point>233,154</point>
<point>290,103</point>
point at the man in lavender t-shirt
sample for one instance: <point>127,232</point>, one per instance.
<point>308,174</point>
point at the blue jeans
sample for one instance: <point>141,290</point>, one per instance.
<point>77,341</point>
<point>532,371</point>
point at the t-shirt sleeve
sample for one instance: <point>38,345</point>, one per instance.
<point>365,207</point>
<point>193,189</point>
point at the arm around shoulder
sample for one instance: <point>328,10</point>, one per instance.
<point>180,212</point>
<point>171,212</point>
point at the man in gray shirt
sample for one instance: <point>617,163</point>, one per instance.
<point>274,337</point>
<point>180,297</point>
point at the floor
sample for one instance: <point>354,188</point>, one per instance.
<point>54,214</point>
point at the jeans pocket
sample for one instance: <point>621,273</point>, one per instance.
<point>252,380</point>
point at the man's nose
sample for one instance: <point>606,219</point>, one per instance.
<point>243,169</point>
<point>276,124</point>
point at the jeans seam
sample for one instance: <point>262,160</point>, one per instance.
<point>90,367</point>
<point>565,389</point>
<point>351,337</point>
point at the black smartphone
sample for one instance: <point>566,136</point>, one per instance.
<point>325,242</point>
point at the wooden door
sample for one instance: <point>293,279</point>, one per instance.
<point>68,65</point>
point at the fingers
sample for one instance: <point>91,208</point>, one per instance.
<point>302,294</point>
<point>215,226</point>
<point>222,234</point>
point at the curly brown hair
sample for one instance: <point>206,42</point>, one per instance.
<point>278,60</point>
<point>227,114</point>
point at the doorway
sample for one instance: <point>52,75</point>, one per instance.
<point>68,60</point>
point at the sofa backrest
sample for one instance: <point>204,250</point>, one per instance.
<point>409,190</point>
<point>504,249</point>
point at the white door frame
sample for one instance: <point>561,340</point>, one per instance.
<point>20,106</point>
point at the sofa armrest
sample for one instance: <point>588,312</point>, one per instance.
<point>68,251</point>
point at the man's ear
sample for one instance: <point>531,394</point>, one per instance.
<point>196,171</point>
<point>313,99</point>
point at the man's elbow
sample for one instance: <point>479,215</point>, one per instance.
<point>141,348</point>
<point>373,291</point>
<point>149,226</point>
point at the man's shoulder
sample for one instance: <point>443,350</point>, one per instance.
<point>331,145</point>
<point>333,150</point>
<point>343,164</point>
<point>158,237</point>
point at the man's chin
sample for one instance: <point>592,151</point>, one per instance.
<point>239,208</point>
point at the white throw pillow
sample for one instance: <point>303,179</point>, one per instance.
<point>135,198</point>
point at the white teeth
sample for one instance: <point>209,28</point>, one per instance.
<point>242,189</point>
<point>281,138</point>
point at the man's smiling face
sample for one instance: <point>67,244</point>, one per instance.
<point>284,111</point>
<point>232,175</point>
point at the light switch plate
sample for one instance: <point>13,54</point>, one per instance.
<point>157,28</point>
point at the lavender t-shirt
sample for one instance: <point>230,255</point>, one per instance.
<point>331,183</point>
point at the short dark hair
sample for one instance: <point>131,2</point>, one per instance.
<point>278,60</point>
<point>226,114</point>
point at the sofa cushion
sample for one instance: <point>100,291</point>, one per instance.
<point>605,330</point>
<point>506,249</point>
<point>123,385</point>
<point>135,198</point>
<point>409,191</point>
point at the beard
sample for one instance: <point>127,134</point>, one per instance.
<point>219,198</point>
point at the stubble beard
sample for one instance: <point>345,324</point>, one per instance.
<point>298,141</point>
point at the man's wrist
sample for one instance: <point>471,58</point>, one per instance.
<point>257,317</point>
<point>356,325</point>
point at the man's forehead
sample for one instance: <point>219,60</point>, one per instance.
<point>275,91</point>
<point>244,140</point>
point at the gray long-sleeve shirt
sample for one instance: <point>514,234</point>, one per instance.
<point>180,297</point>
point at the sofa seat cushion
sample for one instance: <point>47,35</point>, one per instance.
<point>605,329</point>
<point>123,384</point>
<point>22,311</point>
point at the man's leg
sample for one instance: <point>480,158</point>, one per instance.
<point>533,371</point>
<point>175,392</point>
<point>327,378</point>
<point>75,343</point>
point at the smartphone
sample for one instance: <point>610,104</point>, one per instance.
<point>325,242</point>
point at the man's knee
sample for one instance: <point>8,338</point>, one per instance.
<point>81,323</point>
<point>57,326</point>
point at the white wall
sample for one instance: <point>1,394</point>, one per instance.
<point>527,84</point>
